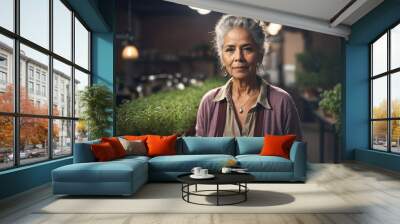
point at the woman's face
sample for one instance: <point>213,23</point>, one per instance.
<point>240,54</point>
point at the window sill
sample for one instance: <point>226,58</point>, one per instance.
<point>26,167</point>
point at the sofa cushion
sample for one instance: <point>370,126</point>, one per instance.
<point>135,137</point>
<point>208,145</point>
<point>134,147</point>
<point>277,145</point>
<point>185,163</point>
<point>249,145</point>
<point>116,145</point>
<point>111,171</point>
<point>133,158</point>
<point>161,145</point>
<point>103,151</point>
<point>257,163</point>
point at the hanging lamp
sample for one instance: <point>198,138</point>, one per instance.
<point>130,51</point>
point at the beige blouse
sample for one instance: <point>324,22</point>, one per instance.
<point>232,127</point>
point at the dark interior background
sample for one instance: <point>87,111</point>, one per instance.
<point>174,45</point>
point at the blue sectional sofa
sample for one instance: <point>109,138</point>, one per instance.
<point>125,176</point>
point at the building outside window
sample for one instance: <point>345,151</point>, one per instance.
<point>3,61</point>
<point>43,90</point>
<point>3,78</point>
<point>3,72</point>
<point>38,89</point>
<point>30,87</point>
<point>34,75</point>
<point>385,94</point>
<point>43,78</point>
<point>37,75</point>
<point>30,72</point>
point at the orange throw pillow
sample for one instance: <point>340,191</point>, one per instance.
<point>277,145</point>
<point>103,151</point>
<point>134,138</point>
<point>161,145</point>
<point>116,145</point>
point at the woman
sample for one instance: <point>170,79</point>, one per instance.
<point>246,105</point>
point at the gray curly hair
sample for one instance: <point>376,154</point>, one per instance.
<point>228,22</point>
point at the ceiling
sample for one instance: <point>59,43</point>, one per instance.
<point>333,17</point>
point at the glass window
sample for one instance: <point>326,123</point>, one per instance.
<point>6,73</point>
<point>3,78</point>
<point>81,81</point>
<point>395,47</point>
<point>30,71</point>
<point>40,62</point>
<point>3,60</point>
<point>7,14</point>
<point>35,21</point>
<point>34,80</point>
<point>379,98</point>
<point>30,87</point>
<point>62,138</point>
<point>33,140</point>
<point>385,125</point>
<point>62,72</point>
<point>395,95</point>
<point>379,55</point>
<point>395,136</point>
<point>37,74</point>
<point>62,29</point>
<point>81,131</point>
<point>43,90</point>
<point>6,142</point>
<point>379,135</point>
<point>81,45</point>
<point>37,89</point>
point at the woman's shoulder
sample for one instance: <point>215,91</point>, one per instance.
<point>210,94</point>
<point>277,94</point>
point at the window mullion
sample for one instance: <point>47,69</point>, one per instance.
<point>50,81</point>
<point>389,106</point>
<point>73,82</point>
<point>16,84</point>
<point>371,137</point>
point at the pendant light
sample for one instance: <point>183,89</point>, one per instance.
<point>130,52</point>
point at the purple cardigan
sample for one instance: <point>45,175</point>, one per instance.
<point>282,117</point>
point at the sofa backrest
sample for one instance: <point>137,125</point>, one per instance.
<point>191,146</point>
<point>207,145</point>
<point>83,153</point>
<point>249,145</point>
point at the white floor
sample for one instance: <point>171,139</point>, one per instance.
<point>378,189</point>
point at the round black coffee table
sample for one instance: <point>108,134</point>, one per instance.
<point>238,179</point>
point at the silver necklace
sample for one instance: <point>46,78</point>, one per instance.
<point>241,109</point>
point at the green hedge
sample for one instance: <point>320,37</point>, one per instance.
<point>164,113</point>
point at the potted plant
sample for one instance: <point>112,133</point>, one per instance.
<point>96,102</point>
<point>330,104</point>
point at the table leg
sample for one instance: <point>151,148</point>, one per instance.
<point>217,194</point>
<point>188,192</point>
<point>182,190</point>
<point>245,191</point>
<point>196,188</point>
